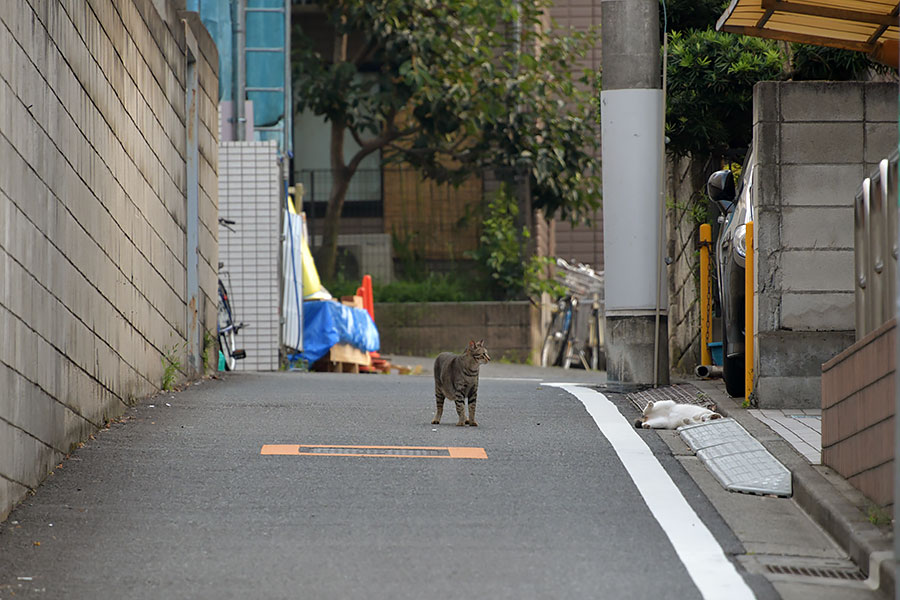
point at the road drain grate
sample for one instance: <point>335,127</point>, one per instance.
<point>683,393</point>
<point>377,451</point>
<point>809,571</point>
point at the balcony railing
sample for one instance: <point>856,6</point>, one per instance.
<point>875,247</point>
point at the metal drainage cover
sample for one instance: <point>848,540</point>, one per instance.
<point>847,574</point>
<point>797,568</point>
<point>736,459</point>
<point>377,451</point>
<point>683,393</point>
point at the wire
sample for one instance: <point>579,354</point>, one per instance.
<point>662,194</point>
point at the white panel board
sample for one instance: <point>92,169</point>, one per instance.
<point>632,147</point>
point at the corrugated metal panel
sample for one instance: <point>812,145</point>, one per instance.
<point>250,193</point>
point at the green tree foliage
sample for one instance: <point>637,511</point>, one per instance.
<point>442,85</point>
<point>812,63</point>
<point>502,255</point>
<point>710,89</point>
<point>684,15</point>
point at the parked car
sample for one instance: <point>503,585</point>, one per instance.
<point>736,211</point>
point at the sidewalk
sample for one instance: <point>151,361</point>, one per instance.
<point>793,436</point>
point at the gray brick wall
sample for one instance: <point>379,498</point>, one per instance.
<point>815,141</point>
<point>92,217</point>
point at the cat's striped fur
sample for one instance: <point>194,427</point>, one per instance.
<point>456,377</point>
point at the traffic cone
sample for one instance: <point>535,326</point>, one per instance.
<point>368,299</point>
<point>378,364</point>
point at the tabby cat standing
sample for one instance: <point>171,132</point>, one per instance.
<point>456,377</point>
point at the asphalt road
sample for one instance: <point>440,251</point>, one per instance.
<point>177,501</point>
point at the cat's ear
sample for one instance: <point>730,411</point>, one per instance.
<point>480,343</point>
<point>471,343</point>
<point>649,406</point>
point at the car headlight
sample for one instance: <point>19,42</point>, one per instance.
<point>740,240</point>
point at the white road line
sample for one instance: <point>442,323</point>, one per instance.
<point>713,574</point>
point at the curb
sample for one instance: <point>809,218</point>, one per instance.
<point>868,546</point>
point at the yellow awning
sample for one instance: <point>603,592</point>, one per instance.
<point>870,27</point>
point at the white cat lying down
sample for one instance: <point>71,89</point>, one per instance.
<point>667,414</point>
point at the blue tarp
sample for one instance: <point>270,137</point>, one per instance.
<point>326,323</point>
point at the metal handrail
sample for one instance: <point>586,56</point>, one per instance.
<point>875,246</point>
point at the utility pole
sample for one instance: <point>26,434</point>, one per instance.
<point>632,137</point>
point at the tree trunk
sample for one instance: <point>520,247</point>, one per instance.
<point>327,258</point>
<point>340,177</point>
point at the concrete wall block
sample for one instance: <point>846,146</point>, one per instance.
<point>817,311</point>
<point>820,184</point>
<point>768,311</point>
<point>767,139</point>
<point>881,102</point>
<point>766,102</point>
<point>23,459</point>
<point>429,328</point>
<point>799,353</point>
<point>881,141</point>
<point>821,142</point>
<point>805,102</point>
<point>817,270</point>
<point>788,392</point>
<point>818,227</point>
<point>766,189</point>
<point>29,408</point>
<point>10,493</point>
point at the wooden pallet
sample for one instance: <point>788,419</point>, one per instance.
<point>343,358</point>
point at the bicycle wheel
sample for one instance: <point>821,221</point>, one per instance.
<point>225,324</point>
<point>557,337</point>
<point>226,343</point>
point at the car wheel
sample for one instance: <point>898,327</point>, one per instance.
<point>732,370</point>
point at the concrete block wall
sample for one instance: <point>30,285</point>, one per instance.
<point>511,330</point>
<point>92,217</point>
<point>685,183</point>
<point>815,142</point>
<point>251,194</point>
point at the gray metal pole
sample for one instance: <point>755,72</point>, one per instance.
<point>240,95</point>
<point>288,96</point>
<point>631,115</point>
<point>194,330</point>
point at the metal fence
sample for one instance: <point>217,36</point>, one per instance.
<point>875,247</point>
<point>424,220</point>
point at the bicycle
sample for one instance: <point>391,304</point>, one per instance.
<point>226,328</point>
<point>562,344</point>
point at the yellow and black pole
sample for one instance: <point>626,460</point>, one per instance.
<point>705,296</point>
<point>748,316</point>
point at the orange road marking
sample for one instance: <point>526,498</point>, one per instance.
<point>347,450</point>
